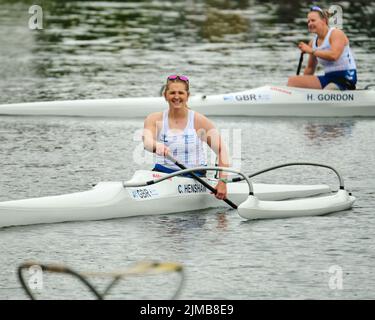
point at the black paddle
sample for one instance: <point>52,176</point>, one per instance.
<point>300,63</point>
<point>200,180</point>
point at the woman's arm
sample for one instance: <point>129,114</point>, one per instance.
<point>208,133</point>
<point>312,62</point>
<point>311,65</point>
<point>150,132</point>
<point>338,41</point>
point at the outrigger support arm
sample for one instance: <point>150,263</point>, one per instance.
<point>341,180</point>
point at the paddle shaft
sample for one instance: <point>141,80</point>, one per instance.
<point>300,63</point>
<point>200,180</point>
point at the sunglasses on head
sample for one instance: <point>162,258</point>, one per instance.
<point>316,8</point>
<point>176,76</point>
<point>319,10</point>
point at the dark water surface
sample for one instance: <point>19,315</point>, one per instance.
<point>120,49</point>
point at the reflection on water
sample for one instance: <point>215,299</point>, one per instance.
<point>178,224</point>
<point>326,132</point>
<point>181,224</point>
<point>217,25</point>
<point>222,221</point>
<point>114,49</point>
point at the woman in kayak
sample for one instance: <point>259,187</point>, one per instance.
<point>181,132</point>
<point>329,47</point>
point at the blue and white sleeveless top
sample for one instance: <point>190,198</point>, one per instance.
<point>184,145</point>
<point>345,62</point>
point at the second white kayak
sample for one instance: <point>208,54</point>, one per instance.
<point>264,101</point>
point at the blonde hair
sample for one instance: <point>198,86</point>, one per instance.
<point>327,15</point>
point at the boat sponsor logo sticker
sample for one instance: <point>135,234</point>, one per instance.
<point>246,97</point>
<point>281,90</point>
<point>228,98</point>
<point>253,97</point>
<point>191,188</point>
<point>332,97</point>
<point>143,193</point>
<point>157,176</point>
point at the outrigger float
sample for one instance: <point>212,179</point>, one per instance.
<point>151,193</point>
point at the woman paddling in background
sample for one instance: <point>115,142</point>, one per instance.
<point>329,47</point>
<point>181,132</point>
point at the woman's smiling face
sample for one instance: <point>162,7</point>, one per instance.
<point>176,94</point>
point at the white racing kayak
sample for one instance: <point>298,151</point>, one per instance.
<point>150,193</point>
<point>109,200</point>
<point>263,101</point>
